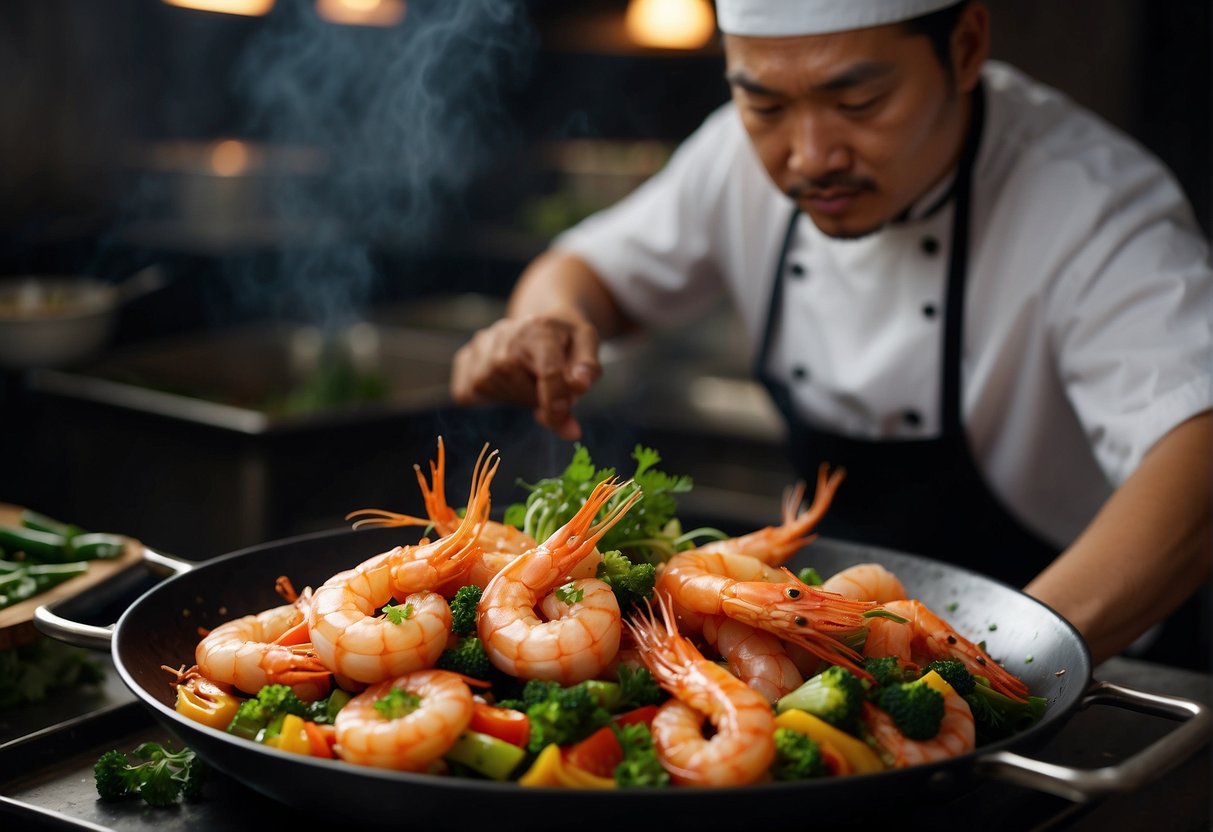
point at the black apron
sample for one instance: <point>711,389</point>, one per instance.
<point>924,496</point>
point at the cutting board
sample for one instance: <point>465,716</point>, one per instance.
<point>16,622</point>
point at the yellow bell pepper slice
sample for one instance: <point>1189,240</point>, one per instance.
<point>293,737</point>
<point>203,701</point>
<point>863,759</point>
<point>550,769</point>
<point>936,682</point>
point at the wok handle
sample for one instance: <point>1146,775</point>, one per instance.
<point>1154,760</point>
<point>50,623</point>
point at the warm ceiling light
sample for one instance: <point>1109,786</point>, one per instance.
<point>670,24</point>
<point>251,8</point>
<point>362,12</point>
<point>230,158</point>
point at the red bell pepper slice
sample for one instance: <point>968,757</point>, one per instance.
<point>598,753</point>
<point>644,713</point>
<point>505,724</point>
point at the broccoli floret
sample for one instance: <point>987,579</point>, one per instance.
<point>637,687</point>
<point>561,715</point>
<point>324,711</point>
<point>797,757</point>
<point>916,707</point>
<point>162,777</point>
<point>640,767</point>
<point>530,693</point>
<point>110,774</point>
<point>885,672</point>
<point>463,609</point>
<point>996,716</point>
<point>630,582</point>
<point>835,695</point>
<point>538,690</point>
<point>270,703</point>
<point>467,657</point>
<point>280,699</point>
<point>955,674</point>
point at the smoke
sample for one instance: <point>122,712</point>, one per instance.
<point>405,120</point>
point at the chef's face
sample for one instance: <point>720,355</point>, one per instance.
<point>856,126</point>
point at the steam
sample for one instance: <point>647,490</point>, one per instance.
<point>405,119</point>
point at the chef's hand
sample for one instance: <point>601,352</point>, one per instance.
<point>541,361</point>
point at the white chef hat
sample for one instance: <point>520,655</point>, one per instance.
<point>775,18</point>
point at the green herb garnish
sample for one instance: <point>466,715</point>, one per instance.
<point>397,614</point>
<point>397,703</point>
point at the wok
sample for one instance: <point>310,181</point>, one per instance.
<point>1034,642</point>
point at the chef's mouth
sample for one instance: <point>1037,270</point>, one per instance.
<point>830,196</point>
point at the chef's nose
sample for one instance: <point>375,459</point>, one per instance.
<point>816,149</point>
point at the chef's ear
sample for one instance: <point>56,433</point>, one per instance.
<point>970,45</point>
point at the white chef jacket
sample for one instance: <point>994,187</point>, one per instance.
<point>1088,329</point>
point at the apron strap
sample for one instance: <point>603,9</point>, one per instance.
<point>958,266</point>
<point>776,301</point>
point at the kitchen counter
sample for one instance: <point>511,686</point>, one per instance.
<point>46,775</point>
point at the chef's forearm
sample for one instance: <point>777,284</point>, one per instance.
<point>560,283</point>
<point>1146,551</point>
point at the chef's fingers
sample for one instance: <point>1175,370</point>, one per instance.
<point>569,428</point>
<point>583,366</point>
<point>489,368</point>
<point>544,363</point>
<point>548,355</point>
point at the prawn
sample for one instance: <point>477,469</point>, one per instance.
<point>495,538</point>
<point>348,636</point>
<point>436,709</point>
<point>242,653</point>
<point>773,545</point>
<point>866,582</point>
<point>742,747</point>
<point>769,598</point>
<point>758,658</point>
<point>583,637</point>
<point>956,736</point>
<point>929,638</point>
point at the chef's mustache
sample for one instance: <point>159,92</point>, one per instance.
<point>829,182</point>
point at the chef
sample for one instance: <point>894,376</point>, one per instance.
<point>989,306</point>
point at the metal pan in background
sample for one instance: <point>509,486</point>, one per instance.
<point>58,320</point>
<point>1034,642</point>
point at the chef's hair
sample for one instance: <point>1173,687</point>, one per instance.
<point>937,27</point>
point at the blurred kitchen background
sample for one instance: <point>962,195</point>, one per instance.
<point>296,211</point>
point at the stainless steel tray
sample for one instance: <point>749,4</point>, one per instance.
<point>269,379</point>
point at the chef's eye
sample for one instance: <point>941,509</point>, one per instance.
<point>766,110</point>
<point>860,106</point>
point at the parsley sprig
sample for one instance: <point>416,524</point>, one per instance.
<point>650,532</point>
